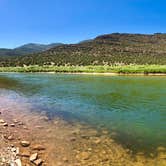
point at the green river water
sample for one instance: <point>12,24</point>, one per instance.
<point>131,107</point>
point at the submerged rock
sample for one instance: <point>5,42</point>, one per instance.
<point>83,156</point>
<point>25,143</point>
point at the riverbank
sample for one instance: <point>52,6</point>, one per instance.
<point>107,70</point>
<point>32,139</point>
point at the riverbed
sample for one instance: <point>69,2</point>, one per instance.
<point>124,117</point>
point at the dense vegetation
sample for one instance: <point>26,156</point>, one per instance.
<point>145,69</point>
<point>120,49</point>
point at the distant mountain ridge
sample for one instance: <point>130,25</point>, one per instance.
<point>27,49</point>
<point>116,48</point>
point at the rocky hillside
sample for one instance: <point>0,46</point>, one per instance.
<point>104,49</point>
<point>27,49</point>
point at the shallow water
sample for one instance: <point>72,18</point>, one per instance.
<point>132,108</point>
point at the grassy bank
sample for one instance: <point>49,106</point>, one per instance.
<point>128,69</point>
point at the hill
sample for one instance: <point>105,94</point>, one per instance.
<point>105,49</point>
<point>27,49</point>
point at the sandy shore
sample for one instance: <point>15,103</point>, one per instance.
<point>32,139</point>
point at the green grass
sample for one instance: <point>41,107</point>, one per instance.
<point>145,69</point>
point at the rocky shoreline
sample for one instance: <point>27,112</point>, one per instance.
<point>29,139</point>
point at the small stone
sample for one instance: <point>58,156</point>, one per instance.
<point>15,120</point>
<point>2,121</point>
<point>105,132</point>
<point>5,124</point>
<point>10,138</point>
<point>25,127</point>
<point>38,147</point>
<point>12,125</point>
<point>38,162</point>
<point>39,127</point>
<point>72,139</point>
<point>83,156</point>
<point>20,123</point>
<point>97,141</point>
<point>33,157</point>
<point>59,164</point>
<point>25,143</point>
<point>65,159</point>
<point>18,162</point>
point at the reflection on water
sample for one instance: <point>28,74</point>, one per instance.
<point>133,108</point>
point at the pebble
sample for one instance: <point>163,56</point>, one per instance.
<point>12,125</point>
<point>72,139</point>
<point>83,156</point>
<point>38,162</point>
<point>15,120</point>
<point>10,138</point>
<point>25,143</point>
<point>2,121</point>
<point>18,162</point>
<point>20,123</point>
<point>5,124</point>
<point>25,127</point>
<point>33,157</point>
<point>65,159</point>
<point>97,141</point>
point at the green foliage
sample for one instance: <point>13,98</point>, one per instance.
<point>145,69</point>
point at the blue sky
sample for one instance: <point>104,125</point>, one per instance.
<point>70,21</point>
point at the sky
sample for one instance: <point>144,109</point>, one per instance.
<point>71,21</point>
